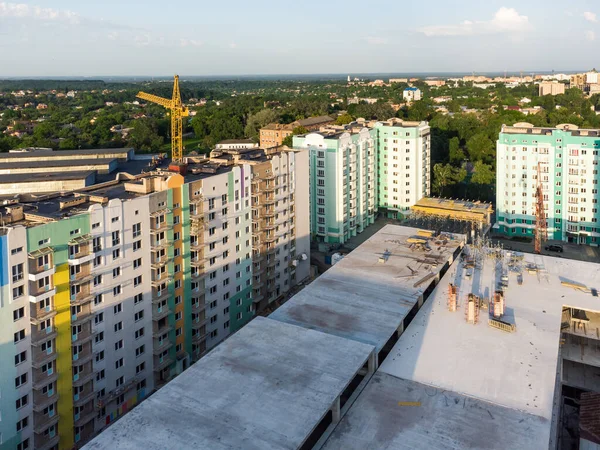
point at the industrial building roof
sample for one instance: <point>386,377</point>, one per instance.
<point>367,295</point>
<point>266,387</point>
<point>516,370</point>
<point>50,163</point>
<point>64,153</point>
<point>39,177</point>
<point>396,414</point>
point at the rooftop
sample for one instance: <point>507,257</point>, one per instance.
<point>310,121</point>
<point>37,177</point>
<point>52,162</point>
<point>528,128</point>
<point>396,414</point>
<point>454,208</point>
<point>266,387</point>
<point>90,153</point>
<point>400,266</point>
<point>515,370</point>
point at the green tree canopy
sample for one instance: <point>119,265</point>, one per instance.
<point>258,120</point>
<point>343,119</point>
<point>445,175</point>
<point>480,148</point>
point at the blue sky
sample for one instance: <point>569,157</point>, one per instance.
<point>200,37</point>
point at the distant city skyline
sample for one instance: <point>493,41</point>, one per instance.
<point>51,38</point>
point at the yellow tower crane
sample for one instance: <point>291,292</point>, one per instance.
<point>178,112</point>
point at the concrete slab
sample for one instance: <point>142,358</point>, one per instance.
<point>517,370</point>
<point>366,296</point>
<point>396,414</point>
<point>266,387</point>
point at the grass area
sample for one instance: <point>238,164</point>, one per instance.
<point>188,144</point>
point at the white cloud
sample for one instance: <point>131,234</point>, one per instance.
<point>590,16</point>
<point>113,35</point>
<point>23,11</point>
<point>590,35</point>
<point>142,40</point>
<point>505,20</point>
<point>376,40</point>
<point>233,45</point>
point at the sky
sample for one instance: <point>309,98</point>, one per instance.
<point>45,38</point>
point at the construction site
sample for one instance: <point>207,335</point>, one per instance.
<point>463,346</point>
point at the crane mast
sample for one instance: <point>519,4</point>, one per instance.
<point>178,111</point>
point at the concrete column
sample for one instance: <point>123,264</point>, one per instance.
<point>372,364</point>
<point>400,329</point>
<point>335,409</point>
<point>420,302</point>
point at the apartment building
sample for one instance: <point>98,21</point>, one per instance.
<point>403,172</point>
<point>363,168</point>
<point>108,293</point>
<point>342,182</point>
<point>567,160</point>
<point>412,94</point>
<point>273,134</point>
<point>551,88</point>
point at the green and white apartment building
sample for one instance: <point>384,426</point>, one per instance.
<point>568,161</point>
<point>109,292</point>
<point>362,169</point>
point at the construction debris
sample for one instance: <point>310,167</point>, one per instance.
<point>429,276</point>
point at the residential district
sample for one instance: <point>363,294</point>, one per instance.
<point>303,289</point>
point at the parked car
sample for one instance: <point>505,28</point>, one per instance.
<point>554,248</point>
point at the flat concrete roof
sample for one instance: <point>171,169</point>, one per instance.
<point>57,163</point>
<point>363,299</point>
<point>62,153</point>
<point>396,414</point>
<point>266,387</point>
<point>40,177</point>
<point>516,370</point>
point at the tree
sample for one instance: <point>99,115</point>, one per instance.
<point>480,148</point>
<point>256,121</point>
<point>483,177</point>
<point>457,156</point>
<point>344,119</point>
<point>144,135</point>
<point>289,140</point>
<point>445,175</point>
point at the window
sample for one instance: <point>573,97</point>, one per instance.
<point>23,445</point>
<point>118,326</point>
<point>20,380</point>
<point>140,368</point>
<point>98,299</point>
<point>137,245</point>
<point>98,280</point>
<point>21,357</point>
<point>118,308</point>
<point>99,337</point>
<point>19,313</point>
<point>116,290</point>
<point>214,333</point>
<point>116,238</point>
<point>16,250</point>
<point>116,254</point>
<point>120,381</point>
<point>213,319</point>
<point>137,230</point>
<point>137,280</point>
<point>119,363</point>
<point>21,424</point>
<point>138,298</point>
<point>116,272</point>
<point>141,384</point>
<point>96,244</point>
<point>21,402</point>
<point>137,263</point>
<point>100,356</point>
<point>99,318</point>
<point>239,316</point>
<point>19,336</point>
<point>17,272</point>
<point>18,292</point>
<point>178,315</point>
<point>139,333</point>
<point>100,375</point>
<point>119,343</point>
<point>176,236</point>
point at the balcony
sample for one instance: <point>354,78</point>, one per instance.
<point>81,378</point>
<point>85,396</point>
<point>46,442</point>
<point>82,297</point>
<point>159,277</point>
<point>42,421</point>
<point>162,362</point>
<point>110,396</point>
<point>158,227</point>
<point>41,400</point>
<point>199,322</point>
<point>159,294</point>
<point>38,293</point>
<point>80,250</point>
<point>83,316</point>
<point>159,244</point>
<point>159,331</point>
<point>42,379</point>
<point>199,305</point>
<point>37,314</point>
<point>81,278</point>
<point>160,312</point>
<point>83,356</point>
<point>85,416</point>
<point>40,357</point>
<point>41,264</point>
<point>161,346</point>
<point>39,336</point>
<point>84,336</point>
